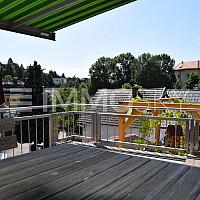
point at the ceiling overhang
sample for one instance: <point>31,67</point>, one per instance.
<point>42,18</point>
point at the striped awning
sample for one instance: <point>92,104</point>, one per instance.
<point>42,18</point>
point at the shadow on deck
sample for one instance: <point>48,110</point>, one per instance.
<point>72,171</point>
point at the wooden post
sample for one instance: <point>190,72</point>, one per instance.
<point>2,98</point>
<point>196,146</point>
<point>157,131</point>
<point>53,129</point>
<point>121,127</point>
<point>192,137</point>
<point>187,137</point>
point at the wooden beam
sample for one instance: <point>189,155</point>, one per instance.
<point>162,105</point>
<point>121,127</point>
<point>129,121</point>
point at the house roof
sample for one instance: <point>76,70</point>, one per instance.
<point>192,95</point>
<point>114,97</point>
<point>41,18</point>
<point>188,65</point>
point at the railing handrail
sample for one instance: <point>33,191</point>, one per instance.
<point>101,114</point>
<point>94,105</point>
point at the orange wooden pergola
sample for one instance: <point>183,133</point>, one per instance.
<point>156,106</point>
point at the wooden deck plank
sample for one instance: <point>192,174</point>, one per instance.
<point>158,184</point>
<point>78,172</point>
<point>122,187</point>
<point>42,167</point>
<point>72,177</point>
<point>69,166</point>
<point>20,167</point>
<point>92,185</point>
<point>186,187</point>
<point>33,155</point>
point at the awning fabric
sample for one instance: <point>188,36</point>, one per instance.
<point>41,18</point>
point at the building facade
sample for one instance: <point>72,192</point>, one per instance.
<point>183,70</point>
<point>60,81</point>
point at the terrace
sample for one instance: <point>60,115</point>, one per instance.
<point>79,165</point>
<point>79,153</point>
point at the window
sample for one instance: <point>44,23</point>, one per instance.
<point>188,75</point>
<point>178,75</point>
<point>7,100</point>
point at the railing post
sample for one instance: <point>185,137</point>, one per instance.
<point>192,136</point>
<point>96,127</point>
<point>98,138</point>
<point>93,125</point>
<point>187,132</point>
<point>121,127</point>
<point>196,143</point>
<point>53,133</point>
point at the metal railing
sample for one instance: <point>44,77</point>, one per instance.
<point>40,131</point>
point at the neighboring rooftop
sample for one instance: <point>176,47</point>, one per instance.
<point>114,97</point>
<point>188,65</point>
<point>193,95</point>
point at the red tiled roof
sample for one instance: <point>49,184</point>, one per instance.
<point>188,65</point>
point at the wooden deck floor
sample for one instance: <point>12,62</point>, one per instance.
<point>79,172</point>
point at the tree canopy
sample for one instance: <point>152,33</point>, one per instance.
<point>147,70</point>
<point>192,80</point>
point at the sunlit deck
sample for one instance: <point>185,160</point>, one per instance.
<point>72,171</point>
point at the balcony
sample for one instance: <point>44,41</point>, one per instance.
<point>85,160</point>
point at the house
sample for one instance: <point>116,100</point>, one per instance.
<point>183,70</point>
<point>60,81</point>
<point>14,93</point>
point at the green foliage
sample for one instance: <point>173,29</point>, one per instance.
<point>100,73</point>
<point>54,74</point>
<point>8,77</point>
<point>176,100</point>
<point>126,86</point>
<point>177,85</point>
<point>138,99</point>
<point>192,80</point>
<point>166,64</point>
<point>48,80</point>
<point>73,82</point>
<point>147,126</point>
<point>197,87</point>
<point>35,81</point>
<point>148,71</point>
<point>137,86</point>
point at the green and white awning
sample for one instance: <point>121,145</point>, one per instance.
<point>41,18</point>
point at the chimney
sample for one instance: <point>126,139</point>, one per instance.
<point>134,92</point>
<point>15,80</point>
<point>182,62</point>
<point>198,64</point>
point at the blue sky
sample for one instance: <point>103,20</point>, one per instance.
<point>154,26</point>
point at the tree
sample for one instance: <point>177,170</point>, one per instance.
<point>19,71</point>
<point>54,74</point>
<point>48,80</point>
<point>126,67</point>
<point>150,74</point>
<point>192,80</point>
<point>126,86</point>
<point>167,65</point>
<point>35,82</point>
<point>9,69</point>
<point>177,85</point>
<point>63,75</point>
<point>8,77</point>
<point>100,74</point>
